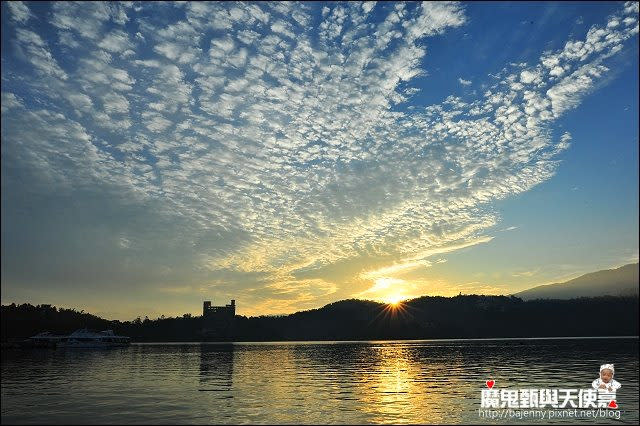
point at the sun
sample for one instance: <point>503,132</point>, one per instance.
<point>394,300</point>
<point>395,306</point>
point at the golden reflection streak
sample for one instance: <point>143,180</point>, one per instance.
<point>404,386</point>
<point>398,391</point>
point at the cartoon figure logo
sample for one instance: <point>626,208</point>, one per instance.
<point>605,381</point>
<point>606,386</point>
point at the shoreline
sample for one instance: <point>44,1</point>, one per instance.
<point>462,339</point>
<point>17,345</point>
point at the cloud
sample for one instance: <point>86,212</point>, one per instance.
<point>19,11</point>
<point>464,82</point>
<point>434,18</point>
<point>9,100</point>
<point>394,269</point>
<point>116,41</point>
<point>569,91</point>
<point>527,274</point>
<point>85,19</point>
<point>38,54</point>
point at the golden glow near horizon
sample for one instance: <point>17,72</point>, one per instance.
<point>394,300</point>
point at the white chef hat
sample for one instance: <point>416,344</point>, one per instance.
<point>607,367</point>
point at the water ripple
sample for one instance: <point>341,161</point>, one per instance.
<point>309,382</point>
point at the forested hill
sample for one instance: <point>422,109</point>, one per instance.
<point>468,316</point>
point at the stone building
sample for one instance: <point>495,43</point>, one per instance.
<point>218,322</point>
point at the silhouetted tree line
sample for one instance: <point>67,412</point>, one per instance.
<point>468,316</point>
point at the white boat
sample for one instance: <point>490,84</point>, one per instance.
<point>85,338</point>
<point>44,340</point>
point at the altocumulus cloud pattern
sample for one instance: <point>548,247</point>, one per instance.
<point>262,147</point>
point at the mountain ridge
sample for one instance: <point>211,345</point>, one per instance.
<point>621,281</point>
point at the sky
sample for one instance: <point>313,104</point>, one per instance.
<point>289,155</point>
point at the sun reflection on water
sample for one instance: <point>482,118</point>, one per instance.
<point>399,389</point>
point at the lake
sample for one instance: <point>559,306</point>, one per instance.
<point>436,381</point>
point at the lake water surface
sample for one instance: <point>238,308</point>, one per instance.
<point>437,381</point>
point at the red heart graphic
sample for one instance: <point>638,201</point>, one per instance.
<point>490,383</point>
<point>613,404</point>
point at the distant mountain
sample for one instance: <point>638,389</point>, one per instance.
<point>622,281</point>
